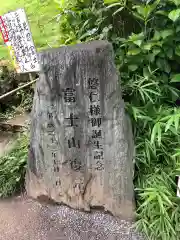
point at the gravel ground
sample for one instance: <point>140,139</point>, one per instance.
<point>25,219</point>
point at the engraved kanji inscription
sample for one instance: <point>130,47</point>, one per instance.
<point>69,95</point>
<point>58,182</point>
<point>50,115</point>
<point>54,154</point>
<point>95,110</point>
<point>99,166</point>
<point>73,143</point>
<point>76,164</point>
<point>93,97</point>
<point>50,127</point>
<point>56,169</point>
<point>93,83</point>
<point>96,122</point>
<point>99,155</point>
<point>72,120</point>
<point>97,144</point>
<point>97,133</point>
<point>52,108</point>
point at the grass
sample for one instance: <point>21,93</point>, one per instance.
<point>42,18</point>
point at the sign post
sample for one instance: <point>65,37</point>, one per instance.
<point>17,36</point>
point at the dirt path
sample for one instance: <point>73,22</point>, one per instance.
<point>25,219</point>
<point>6,142</point>
<point>9,131</point>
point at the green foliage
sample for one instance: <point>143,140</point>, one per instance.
<point>148,59</point>
<point>12,167</point>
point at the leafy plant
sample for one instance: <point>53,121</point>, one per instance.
<point>12,167</point>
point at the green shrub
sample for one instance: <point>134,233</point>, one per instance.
<point>12,167</point>
<point>146,39</point>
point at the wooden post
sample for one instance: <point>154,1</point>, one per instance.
<point>17,89</point>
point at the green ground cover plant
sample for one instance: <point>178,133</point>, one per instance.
<point>13,167</point>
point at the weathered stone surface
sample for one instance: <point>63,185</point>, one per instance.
<point>81,145</point>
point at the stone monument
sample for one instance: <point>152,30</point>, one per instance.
<point>81,145</point>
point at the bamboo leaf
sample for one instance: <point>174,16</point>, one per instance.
<point>154,92</point>
<point>167,200</point>
<point>176,122</point>
<point>142,95</point>
<point>173,130</point>
<point>169,123</point>
<point>177,153</point>
<point>119,10</point>
<point>154,133</point>
<point>148,96</point>
<point>159,134</point>
<point>115,4</point>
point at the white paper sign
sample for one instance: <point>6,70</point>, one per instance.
<point>17,36</point>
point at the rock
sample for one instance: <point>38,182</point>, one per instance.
<point>81,146</point>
